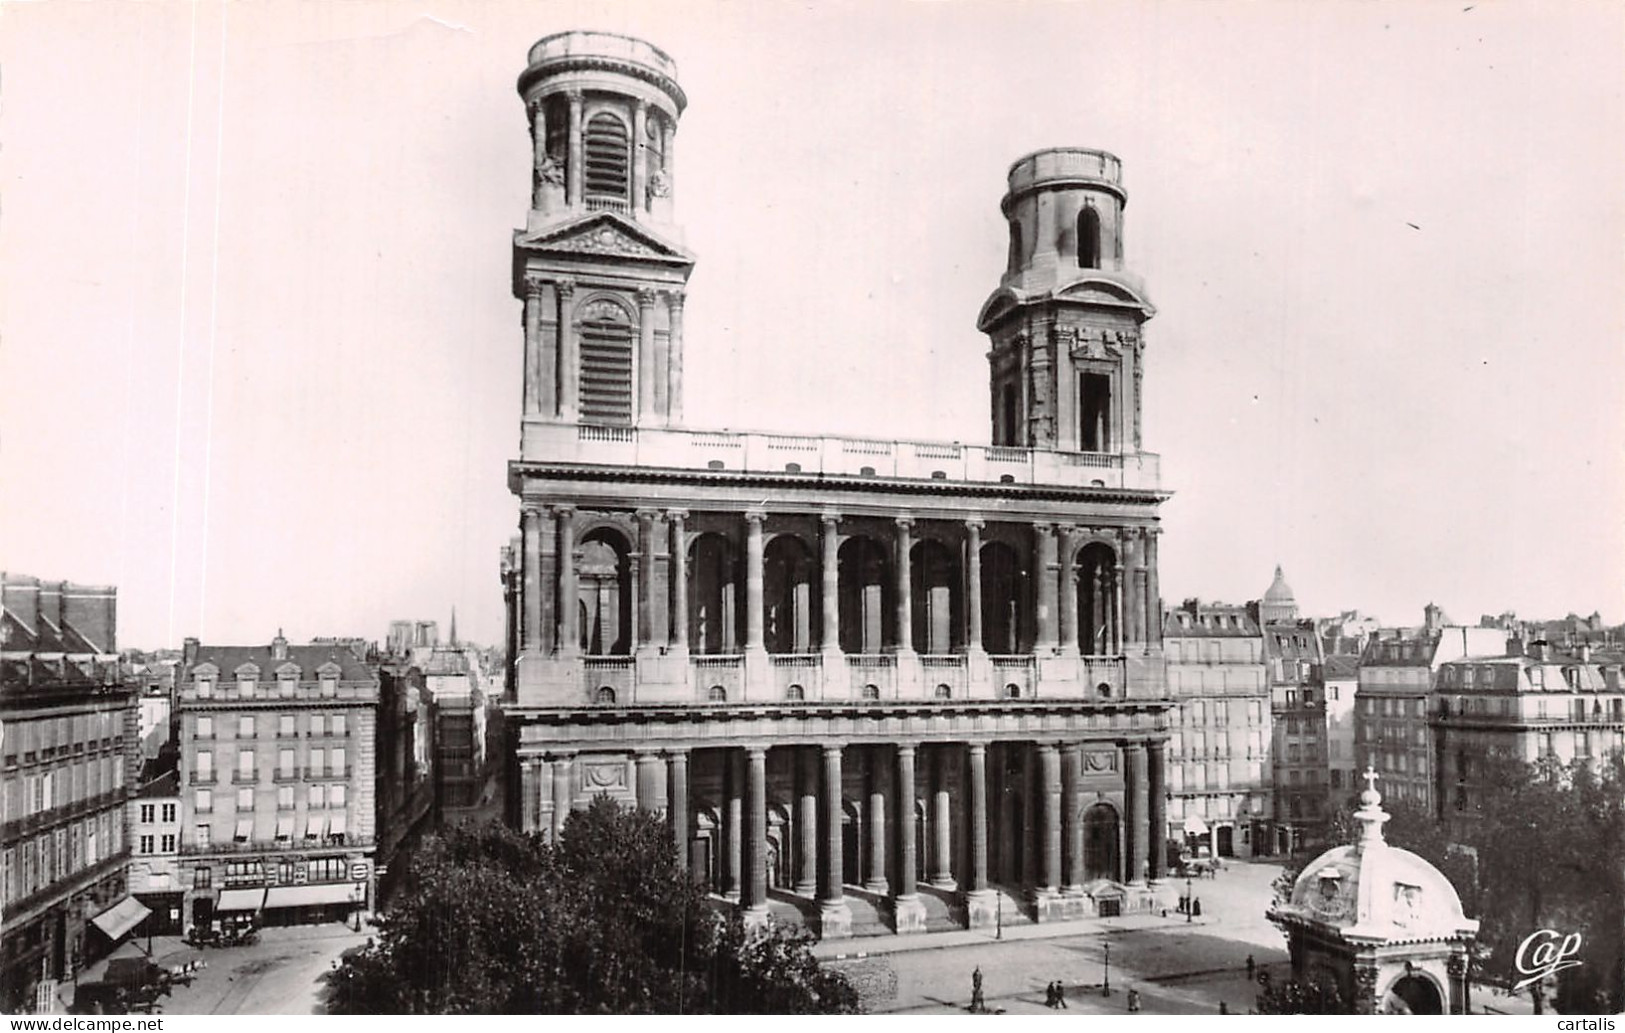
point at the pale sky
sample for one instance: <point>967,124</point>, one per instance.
<point>260,367</point>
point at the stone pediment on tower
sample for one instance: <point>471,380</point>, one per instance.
<point>603,235</point>
<point>1095,287</point>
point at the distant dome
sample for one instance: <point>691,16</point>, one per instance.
<point>1370,890</point>
<point>1280,592</point>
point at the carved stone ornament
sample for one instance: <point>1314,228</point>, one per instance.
<point>1100,760</point>
<point>1456,965</point>
<point>659,183</point>
<point>605,774</point>
<point>1407,905</point>
<point>550,171</point>
<point>1066,337</point>
<point>606,240</point>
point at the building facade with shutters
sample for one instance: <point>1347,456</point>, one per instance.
<point>69,749</point>
<point>1221,785</point>
<point>277,781</point>
<point>926,669</point>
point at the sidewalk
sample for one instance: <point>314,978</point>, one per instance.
<point>869,946</point>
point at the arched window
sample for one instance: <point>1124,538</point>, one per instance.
<point>605,333</point>
<point>944,692</point>
<point>718,694</point>
<point>795,694</point>
<point>1104,690</point>
<point>871,692</point>
<point>1012,691</point>
<point>606,695</point>
<point>607,152</point>
<point>1015,245</point>
<point>1088,238</point>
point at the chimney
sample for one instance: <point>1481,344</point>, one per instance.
<point>50,606</point>
<point>1585,652</point>
<point>189,652</point>
<point>20,594</point>
<point>92,611</point>
<point>279,646</point>
<point>1542,649</point>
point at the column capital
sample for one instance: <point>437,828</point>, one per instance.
<point>1043,527</point>
<point>974,523</point>
<point>646,297</point>
<point>642,105</point>
<point>755,516</point>
<point>676,753</point>
<point>534,511</point>
<point>563,511</point>
<point>832,749</point>
<point>674,298</point>
<point>676,514</point>
<point>904,521</point>
<point>557,755</point>
<point>755,750</point>
<point>565,286</point>
<point>534,282</point>
<point>647,516</point>
<point>573,94</point>
<point>976,748</point>
<point>829,518</point>
<point>906,748</point>
<point>646,754</point>
<point>1072,532</point>
<point>1049,747</point>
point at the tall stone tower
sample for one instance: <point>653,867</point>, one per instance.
<point>599,264</point>
<point>1065,320</point>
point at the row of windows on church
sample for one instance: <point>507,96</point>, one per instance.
<point>1087,230</point>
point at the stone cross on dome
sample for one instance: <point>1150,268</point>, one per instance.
<point>1371,816</point>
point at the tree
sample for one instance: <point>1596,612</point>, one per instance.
<point>489,920</point>
<point>1290,997</point>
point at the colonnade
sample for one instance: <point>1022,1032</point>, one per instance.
<point>1070,566</point>
<point>956,782</point>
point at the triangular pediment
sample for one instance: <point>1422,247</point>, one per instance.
<point>608,234</point>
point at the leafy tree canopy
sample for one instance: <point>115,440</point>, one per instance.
<point>489,920</point>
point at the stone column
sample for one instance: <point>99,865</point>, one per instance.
<point>830,637</point>
<point>980,903</point>
<point>640,149</point>
<point>563,790</point>
<point>1158,852</point>
<point>650,797</point>
<point>905,586</point>
<point>753,582</point>
<point>1117,606</point>
<point>835,918</point>
<point>942,867</point>
<point>1069,592</point>
<point>646,644</point>
<point>1135,800</point>
<point>755,899</point>
<point>677,795</point>
<point>674,355</point>
<point>973,585</point>
<point>533,528</point>
<point>677,546</point>
<point>538,148</point>
<point>1044,573</point>
<point>646,358</point>
<point>1153,591</point>
<point>573,178</point>
<point>1049,764</point>
<point>875,820</point>
<point>569,361</point>
<point>908,909</point>
<point>533,344</point>
<point>1071,820</point>
<point>807,820</point>
<point>733,822</point>
<point>569,641</point>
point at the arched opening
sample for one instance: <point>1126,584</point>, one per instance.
<point>717,694</point>
<point>1012,691</point>
<point>1103,690</point>
<point>1413,995</point>
<point>1015,246</point>
<point>1095,412</point>
<point>795,694</point>
<point>945,692</point>
<point>870,692</point>
<point>866,621</point>
<point>604,594</point>
<point>1100,842</point>
<point>712,587</point>
<point>1088,238</point>
<point>604,333</point>
<point>787,599</point>
<point>605,696</point>
<point>607,152</point>
<point>1096,565</point>
<point>934,573</point>
<point>1004,589</point>
<point>1009,417</point>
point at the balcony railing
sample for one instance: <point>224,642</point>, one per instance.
<point>275,846</point>
<point>856,457</point>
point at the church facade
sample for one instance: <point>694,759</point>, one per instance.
<point>924,674</point>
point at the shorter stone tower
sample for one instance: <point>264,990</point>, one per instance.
<point>1065,321</point>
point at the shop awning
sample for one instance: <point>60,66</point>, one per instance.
<point>121,917</point>
<point>241,899</point>
<point>245,829</point>
<point>1195,826</point>
<point>284,826</point>
<point>335,827</point>
<point>315,826</point>
<point>322,893</point>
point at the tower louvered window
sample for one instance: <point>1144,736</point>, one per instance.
<point>608,157</point>
<point>606,368</point>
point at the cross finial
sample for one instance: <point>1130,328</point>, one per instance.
<point>1370,777</point>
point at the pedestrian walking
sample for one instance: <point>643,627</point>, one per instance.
<point>977,1004</point>
<point>1133,1001</point>
<point>1251,967</point>
<point>1060,994</point>
<point>1224,1009</point>
<point>1049,994</point>
<point>1196,908</point>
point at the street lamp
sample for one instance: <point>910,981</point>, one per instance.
<point>1190,899</point>
<point>1106,983</point>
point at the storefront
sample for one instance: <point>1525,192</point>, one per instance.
<point>313,904</point>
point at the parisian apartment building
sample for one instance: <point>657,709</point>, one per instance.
<point>68,730</point>
<point>277,781</point>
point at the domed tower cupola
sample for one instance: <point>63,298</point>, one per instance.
<point>600,265</point>
<point>1065,320</point>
